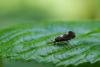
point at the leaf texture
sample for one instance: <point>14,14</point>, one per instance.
<point>31,42</point>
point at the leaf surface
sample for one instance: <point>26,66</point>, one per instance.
<point>31,42</point>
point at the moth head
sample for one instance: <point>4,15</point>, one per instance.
<point>71,33</point>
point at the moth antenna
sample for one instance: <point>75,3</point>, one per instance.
<point>50,42</point>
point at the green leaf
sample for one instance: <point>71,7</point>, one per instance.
<point>31,42</point>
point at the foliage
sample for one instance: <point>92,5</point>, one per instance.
<point>30,41</point>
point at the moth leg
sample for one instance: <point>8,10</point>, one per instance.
<point>66,47</point>
<point>55,43</point>
<point>65,44</point>
<point>69,45</point>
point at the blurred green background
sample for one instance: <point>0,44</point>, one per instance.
<point>49,10</point>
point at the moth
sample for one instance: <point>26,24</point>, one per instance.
<point>65,37</point>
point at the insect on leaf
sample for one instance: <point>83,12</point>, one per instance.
<point>29,42</point>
